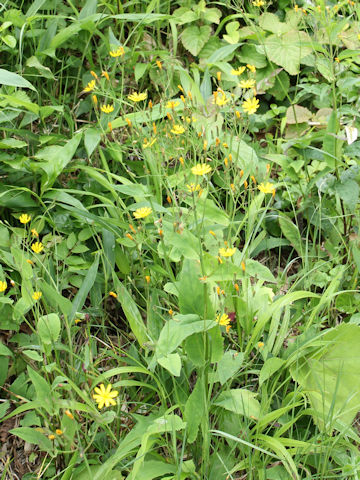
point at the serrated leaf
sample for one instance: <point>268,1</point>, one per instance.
<point>194,38</point>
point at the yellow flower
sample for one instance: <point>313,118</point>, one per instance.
<point>172,104</point>
<point>69,414</point>
<point>227,252</point>
<point>119,52</point>
<point>24,218</point>
<point>105,74</point>
<point>177,130</point>
<point>224,320</point>
<point>137,97</point>
<point>147,278</point>
<point>113,294</point>
<point>192,187</point>
<point>220,98</point>
<point>37,247</point>
<point>104,396</point>
<point>250,105</point>
<point>36,295</point>
<point>93,74</point>
<point>34,233</point>
<point>30,262</point>
<point>159,64</point>
<point>251,68</point>
<point>267,188</point>
<point>90,86</point>
<point>238,71</point>
<point>247,83</point>
<point>58,431</point>
<point>107,108</point>
<point>258,3</point>
<point>51,436</point>
<point>260,344</point>
<point>147,144</point>
<point>3,286</point>
<point>142,212</point>
<point>201,169</point>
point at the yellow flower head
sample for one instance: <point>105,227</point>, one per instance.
<point>148,144</point>
<point>90,86</point>
<point>137,97</point>
<point>251,68</point>
<point>36,295</point>
<point>119,52</point>
<point>34,233</point>
<point>3,286</point>
<point>177,130</point>
<point>58,431</point>
<point>37,247</point>
<point>224,320</point>
<point>105,74</point>
<point>113,294</point>
<point>104,396</point>
<point>201,169</point>
<point>227,252</point>
<point>192,187</point>
<point>142,212</point>
<point>258,3</point>
<point>250,105</point>
<point>220,98</point>
<point>107,108</point>
<point>238,71</point>
<point>250,83</point>
<point>172,104</point>
<point>24,218</point>
<point>267,188</point>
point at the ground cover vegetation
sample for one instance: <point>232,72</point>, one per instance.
<point>179,239</point>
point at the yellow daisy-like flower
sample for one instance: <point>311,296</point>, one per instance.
<point>24,218</point>
<point>104,396</point>
<point>251,68</point>
<point>201,169</point>
<point>107,108</point>
<point>172,104</point>
<point>113,294</point>
<point>3,286</point>
<point>258,3</point>
<point>224,320</point>
<point>227,252</point>
<point>267,188</point>
<point>192,187</point>
<point>137,97</point>
<point>142,212</point>
<point>148,144</point>
<point>220,98</point>
<point>119,52</point>
<point>90,86</point>
<point>37,247</point>
<point>177,130</point>
<point>250,83</point>
<point>36,295</point>
<point>250,105</point>
<point>238,71</point>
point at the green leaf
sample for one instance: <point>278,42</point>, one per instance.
<point>291,232</point>
<point>297,114</point>
<point>330,376</point>
<point>92,139</point>
<point>14,80</point>
<point>12,143</point>
<point>48,328</point>
<point>257,269</point>
<point>85,288</point>
<point>5,351</point>
<point>270,366</point>
<point>348,191</point>
<point>131,311</point>
<point>33,62</point>
<point>288,49</point>
<point>240,401</point>
<point>172,363</point>
<point>140,69</point>
<point>271,23</point>
<point>33,355</point>
<point>229,365</point>
<point>31,435</point>
<point>194,38</point>
<point>42,389</point>
<point>195,409</point>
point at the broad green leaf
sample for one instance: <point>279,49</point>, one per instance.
<point>34,62</point>
<point>5,351</point>
<point>257,269</point>
<point>131,312</point>
<point>43,391</point>
<point>291,232</point>
<point>270,366</point>
<point>33,355</point>
<point>195,409</point>
<point>240,401</point>
<point>271,23</point>
<point>194,38</point>
<point>48,328</point>
<point>172,363</point>
<point>288,49</point>
<point>14,80</point>
<point>55,299</point>
<point>297,114</point>
<point>177,329</point>
<point>7,143</point>
<point>92,139</point>
<point>348,191</point>
<point>85,288</point>
<point>32,435</point>
<point>330,377</point>
<point>88,9</point>
<point>229,365</point>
